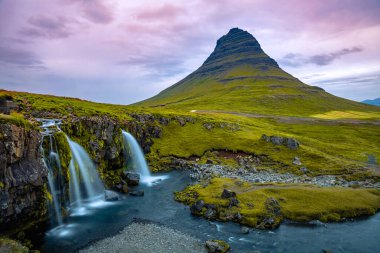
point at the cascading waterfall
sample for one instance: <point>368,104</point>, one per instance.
<point>52,162</point>
<point>85,186</point>
<point>87,170</point>
<point>138,162</point>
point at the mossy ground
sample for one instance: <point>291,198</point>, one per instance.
<point>298,202</point>
<point>11,246</point>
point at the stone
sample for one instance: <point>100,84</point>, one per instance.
<point>210,214</point>
<point>138,193</point>
<point>132,179</point>
<point>304,170</point>
<point>110,195</point>
<point>125,188</point>
<point>244,230</point>
<point>297,161</point>
<point>290,143</point>
<point>217,246</point>
<point>228,194</point>
<point>196,208</point>
<point>233,202</point>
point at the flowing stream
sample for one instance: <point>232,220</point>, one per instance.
<point>91,218</point>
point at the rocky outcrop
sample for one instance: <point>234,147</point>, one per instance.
<point>22,177</point>
<point>290,143</point>
<point>101,137</point>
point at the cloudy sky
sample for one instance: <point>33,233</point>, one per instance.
<point>125,51</point>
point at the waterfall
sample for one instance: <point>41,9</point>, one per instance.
<point>138,161</point>
<point>85,186</point>
<point>87,170</point>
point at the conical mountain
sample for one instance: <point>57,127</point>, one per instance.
<point>239,76</point>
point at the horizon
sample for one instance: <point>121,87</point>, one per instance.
<point>150,46</point>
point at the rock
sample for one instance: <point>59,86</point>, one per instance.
<point>326,251</point>
<point>138,193</point>
<point>278,140</point>
<point>297,161</point>
<point>228,194</point>
<point>217,246</point>
<point>110,195</point>
<point>132,179</point>
<point>273,206</point>
<point>244,230</point>
<point>196,208</point>
<point>233,202</point>
<point>125,188</point>
<point>238,217</point>
<point>210,214</point>
<point>209,161</point>
<point>208,126</point>
<point>304,170</point>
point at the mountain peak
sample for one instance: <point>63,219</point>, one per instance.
<point>237,47</point>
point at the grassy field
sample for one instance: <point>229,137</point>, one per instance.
<point>327,147</point>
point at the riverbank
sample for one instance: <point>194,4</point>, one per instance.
<point>146,238</point>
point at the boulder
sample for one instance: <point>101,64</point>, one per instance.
<point>210,214</point>
<point>125,188</point>
<point>226,194</point>
<point>217,246</point>
<point>297,161</point>
<point>233,202</point>
<point>290,143</point>
<point>138,193</point>
<point>110,195</point>
<point>304,170</point>
<point>132,179</point>
<point>244,230</point>
<point>196,208</point>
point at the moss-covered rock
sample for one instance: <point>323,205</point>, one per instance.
<point>267,205</point>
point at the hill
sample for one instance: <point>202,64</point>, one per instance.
<point>239,76</point>
<point>375,101</point>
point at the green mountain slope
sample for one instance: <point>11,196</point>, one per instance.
<point>238,76</point>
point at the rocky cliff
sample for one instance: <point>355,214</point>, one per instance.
<point>22,177</point>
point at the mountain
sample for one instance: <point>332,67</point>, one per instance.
<point>239,76</point>
<point>375,101</point>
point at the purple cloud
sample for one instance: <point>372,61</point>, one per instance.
<point>47,27</point>
<point>96,11</point>
<point>19,58</point>
<point>296,60</point>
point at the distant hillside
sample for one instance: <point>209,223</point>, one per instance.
<point>375,101</point>
<point>239,76</point>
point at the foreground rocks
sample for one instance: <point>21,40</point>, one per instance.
<point>132,179</point>
<point>217,246</point>
<point>147,238</point>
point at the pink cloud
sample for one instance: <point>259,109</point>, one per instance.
<point>162,13</point>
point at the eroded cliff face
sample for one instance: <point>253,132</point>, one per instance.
<point>101,137</point>
<point>22,177</point>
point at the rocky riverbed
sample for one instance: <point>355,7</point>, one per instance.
<point>146,238</point>
<point>207,171</point>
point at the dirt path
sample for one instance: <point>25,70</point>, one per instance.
<point>292,119</point>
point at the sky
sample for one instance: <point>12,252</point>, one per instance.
<point>122,52</point>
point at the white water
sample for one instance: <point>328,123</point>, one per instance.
<point>139,164</point>
<point>87,170</point>
<point>85,187</point>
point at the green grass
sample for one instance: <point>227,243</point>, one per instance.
<point>298,202</point>
<point>254,91</point>
<point>325,149</point>
<point>15,118</point>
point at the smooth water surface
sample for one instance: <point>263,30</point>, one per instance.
<point>107,218</point>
